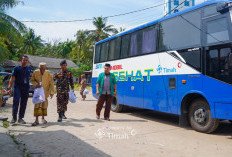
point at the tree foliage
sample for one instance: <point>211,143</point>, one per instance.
<point>102,30</point>
<point>10,30</point>
<point>32,42</point>
<point>16,39</point>
<point>80,70</point>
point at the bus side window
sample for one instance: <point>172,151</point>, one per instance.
<point>114,52</point>
<point>125,46</point>
<point>217,31</point>
<point>135,43</point>
<point>112,49</point>
<point>149,40</point>
<point>192,58</point>
<point>97,53</point>
<point>178,33</point>
<point>104,52</point>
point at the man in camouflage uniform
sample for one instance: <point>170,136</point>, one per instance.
<point>64,80</point>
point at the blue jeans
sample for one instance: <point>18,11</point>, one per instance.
<point>20,96</point>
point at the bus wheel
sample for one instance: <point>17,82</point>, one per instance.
<point>115,107</point>
<point>200,117</point>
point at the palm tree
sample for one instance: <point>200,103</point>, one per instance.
<point>120,30</point>
<point>10,28</point>
<point>31,42</point>
<point>102,29</point>
<point>82,38</point>
<point>66,48</point>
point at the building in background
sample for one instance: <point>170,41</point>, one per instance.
<point>53,64</point>
<point>173,6</point>
<point>8,65</point>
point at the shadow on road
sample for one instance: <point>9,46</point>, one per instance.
<point>160,117</point>
<point>224,128</point>
<point>58,143</point>
<point>85,120</point>
<point>65,123</point>
<point>89,100</point>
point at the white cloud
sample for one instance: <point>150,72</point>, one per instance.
<point>63,31</point>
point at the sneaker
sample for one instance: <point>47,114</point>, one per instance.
<point>13,121</point>
<point>108,119</point>
<point>21,121</point>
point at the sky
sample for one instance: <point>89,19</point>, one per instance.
<point>53,10</point>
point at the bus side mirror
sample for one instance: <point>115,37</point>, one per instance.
<point>223,7</point>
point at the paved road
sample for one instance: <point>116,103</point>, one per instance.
<point>132,133</point>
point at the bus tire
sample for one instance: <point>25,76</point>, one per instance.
<point>115,106</point>
<point>200,117</point>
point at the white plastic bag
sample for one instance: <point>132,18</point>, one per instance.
<point>38,96</point>
<point>86,91</point>
<point>72,96</point>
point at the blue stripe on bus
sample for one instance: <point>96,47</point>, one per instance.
<point>165,18</point>
<point>156,95</point>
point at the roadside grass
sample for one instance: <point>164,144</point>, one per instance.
<point>5,124</point>
<point>14,139</point>
<point>21,146</point>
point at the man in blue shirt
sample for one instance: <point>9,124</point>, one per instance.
<point>20,77</point>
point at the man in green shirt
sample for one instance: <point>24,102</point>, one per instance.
<point>106,88</point>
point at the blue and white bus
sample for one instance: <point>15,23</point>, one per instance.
<point>179,64</point>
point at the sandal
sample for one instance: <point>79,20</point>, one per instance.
<point>44,121</point>
<point>35,124</point>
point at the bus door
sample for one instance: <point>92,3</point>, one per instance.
<point>154,93</point>
<point>219,63</point>
<point>132,86</point>
<point>133,93</point>
<point>171,89</point>
<point>168,65</point>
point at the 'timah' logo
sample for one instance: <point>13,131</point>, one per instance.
<point>165,70</point>
<point>159,69</point>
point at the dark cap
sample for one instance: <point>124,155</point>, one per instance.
<point>63,62</point>
<point>107,65</point>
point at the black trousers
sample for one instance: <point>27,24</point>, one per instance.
<point>20,98</point>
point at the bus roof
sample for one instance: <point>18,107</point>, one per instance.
<point>164,18</point>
